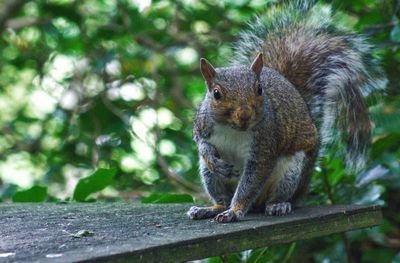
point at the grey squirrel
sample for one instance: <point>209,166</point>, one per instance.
<point>296,83</point>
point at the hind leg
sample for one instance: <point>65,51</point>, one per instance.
<point>295,174</point>
<point>284,183</point>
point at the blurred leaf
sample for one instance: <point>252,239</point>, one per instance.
<point>289,252</point>
<point>257,254</point>
<point>167,198</point>
<point>370,195</point>
<point>34,194</point>
<point>93,183</point>
<point>214,260</point>
<point>335,171</point>
<point>375,173</point>
<point>231,258</point>
<point>390,142</point>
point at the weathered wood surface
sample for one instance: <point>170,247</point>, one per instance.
<point>156,233</point>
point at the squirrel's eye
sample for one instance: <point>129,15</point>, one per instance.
<point>217,94</point>
<point>259,90</point>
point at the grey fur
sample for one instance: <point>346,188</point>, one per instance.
<point>288,171</point>
<point>216,186</point>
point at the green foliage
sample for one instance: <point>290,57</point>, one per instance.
<point>396,259</point>
<point>34,194</point>
<point>92,84</point>
<point>167,198</point>
<point>282,254</point>
<point>93,183</point>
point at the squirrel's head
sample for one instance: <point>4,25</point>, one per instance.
<point>235,94</point>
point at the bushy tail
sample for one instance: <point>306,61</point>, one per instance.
<point>333,70</point>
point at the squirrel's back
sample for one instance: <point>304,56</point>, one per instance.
<point>333,70</point>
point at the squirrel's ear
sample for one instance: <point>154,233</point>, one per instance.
<point>207,70</point>
<point>257,64</point>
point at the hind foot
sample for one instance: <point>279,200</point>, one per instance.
<point>196,212</point>
<point>278,209</point>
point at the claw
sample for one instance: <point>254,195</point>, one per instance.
<point>279,209</point>
<point>225,169</point>
<point>226,217</point>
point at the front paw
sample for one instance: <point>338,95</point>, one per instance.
<point>196,212</point>
<point>228,216</point>
<point>224,169</point>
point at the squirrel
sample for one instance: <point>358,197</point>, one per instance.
<point>295,83</point>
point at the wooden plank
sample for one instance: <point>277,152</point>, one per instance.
<point>157,233</point>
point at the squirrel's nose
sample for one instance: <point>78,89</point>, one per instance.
<point>243,116</point>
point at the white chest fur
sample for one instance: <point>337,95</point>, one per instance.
<point>232,145</point>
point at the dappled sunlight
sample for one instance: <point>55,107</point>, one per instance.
<point>20,169</point>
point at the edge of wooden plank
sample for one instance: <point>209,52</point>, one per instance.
<point>266,235</point>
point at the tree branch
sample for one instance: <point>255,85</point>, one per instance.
<point>19,23</point>
<point>7,10</point>
<point>173,176</point>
